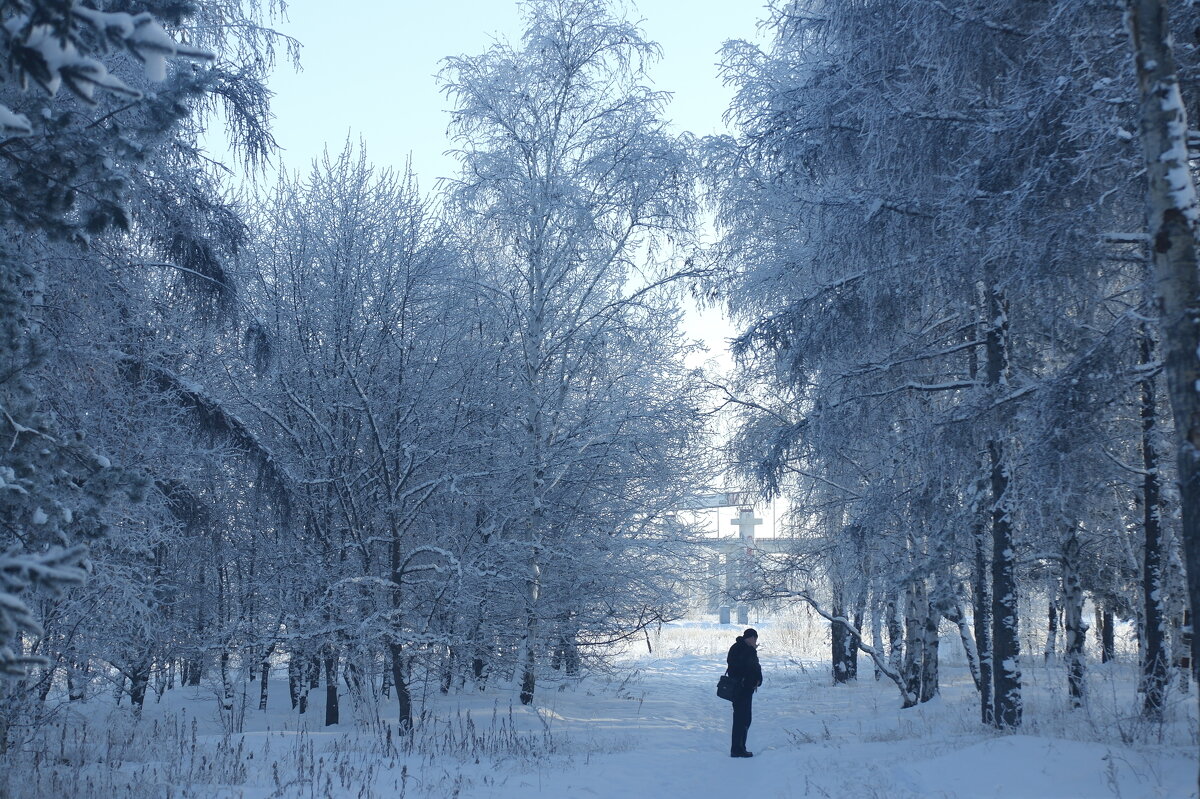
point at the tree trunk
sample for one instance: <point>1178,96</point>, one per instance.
<point>1052,628</point>
<point>860,610</point>
<point>535,427</point>
<point>331,689</point>
<point>395,653</point>
<point>1076,627</point>
<point>448,666</point>
<point>479,660</point>
<point>983,627</point>
<point>1183,651</point>
<point>265,677</point>
<point>403,698</point>
<point>45,682</point>
<point>139,679</point>
<point>929,646</point>
<point>571,662</point>
<point>1172,216</point>
<point>195,672</point>
<point>895,636</point>
<point>1108,636</point>
<point>916,610</point>
<point>226,683</point>
<point>841,643</point>
<point>968,640</point>
<point>527,654</point>
<point>877,633</point>
<point>1006,643</point>
<point>296,690</point>
<point>566,651</point>
<point>528,660</point>
<point>1154,650</point>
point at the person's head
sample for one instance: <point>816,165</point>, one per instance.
<point>750,636</point>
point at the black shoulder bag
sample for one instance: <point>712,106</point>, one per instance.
<point>726,686</point>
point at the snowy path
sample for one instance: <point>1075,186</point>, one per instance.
<point>654,728</point>
<point>667,734</point>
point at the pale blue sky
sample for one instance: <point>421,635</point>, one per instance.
<point>368,69</point>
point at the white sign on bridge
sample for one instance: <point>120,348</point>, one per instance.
<point>745,523</point>
<point>728,570</point>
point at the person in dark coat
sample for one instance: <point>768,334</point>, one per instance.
<point>747,676</point>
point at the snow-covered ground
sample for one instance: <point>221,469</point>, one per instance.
<point>652,728</point>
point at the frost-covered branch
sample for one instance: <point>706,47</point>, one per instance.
<point>880,660</point>
<point>51,44</point>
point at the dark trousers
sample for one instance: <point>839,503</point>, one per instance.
<point>741,722</point>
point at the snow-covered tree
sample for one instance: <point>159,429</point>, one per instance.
<point>570,175</point>
<point>932,234</point>
<point>56,181</point>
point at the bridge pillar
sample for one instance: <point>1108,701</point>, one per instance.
<point>713,585</point>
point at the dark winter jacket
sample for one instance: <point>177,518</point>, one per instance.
<point>743,666</point>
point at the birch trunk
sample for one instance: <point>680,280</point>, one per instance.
<point>1076,628</point>
<point>1172,211</point>
<point>982,601</point>
<point>1052,627</point>
<point>265,676</point>
<point>877,633</point>
<point>968,640</point>
<point>895,636</point>
<point>535,428</point>
<point>1183,652</point>
<point>929,646</point>
<point>842,643</point>
<point>860,610</point>
<point>297,691</point>
<point>916,610</point>
<point>395,649</point>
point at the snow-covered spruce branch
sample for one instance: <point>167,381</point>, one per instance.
<point>992,25</point>
<point>892,363</point>
<point>32,35</point>
<point>1120,237</point>
<point>218,421</point>
<point>880,661</point>
<point>51,570</point>
<point>954,385</point>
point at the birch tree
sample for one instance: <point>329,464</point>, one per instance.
<point>568,168</point>
<point>1171,210</point>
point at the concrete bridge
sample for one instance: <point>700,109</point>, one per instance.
<point>731,554</point>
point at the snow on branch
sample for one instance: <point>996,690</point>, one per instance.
<point>1120,237</point>
<point>881,662</point>
<point>51,570</point>
<point>220,422</point>
<point>53,47</point>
